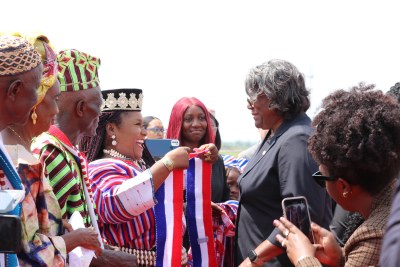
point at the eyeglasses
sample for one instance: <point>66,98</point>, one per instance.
<point>252,99</point>
<point>320,179</point>
<point>157,130</point>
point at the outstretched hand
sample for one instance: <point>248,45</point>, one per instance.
<point>211,154</point>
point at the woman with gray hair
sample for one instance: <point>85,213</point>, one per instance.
<point>281,167</point>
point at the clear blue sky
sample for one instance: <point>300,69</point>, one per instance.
<point>172,49</point>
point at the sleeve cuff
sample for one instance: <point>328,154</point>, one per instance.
<point>137,194</point>
<point>59,244</point>
<point>272,238</point>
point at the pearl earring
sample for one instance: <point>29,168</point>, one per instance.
<point>113,142</point>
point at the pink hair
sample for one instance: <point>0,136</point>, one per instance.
<point>176,120</point>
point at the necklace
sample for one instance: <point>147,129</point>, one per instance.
<point>115,154</point>
<point>26,144</point>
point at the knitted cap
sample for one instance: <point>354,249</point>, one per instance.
<point>17,55</point>
<point>77,70</point>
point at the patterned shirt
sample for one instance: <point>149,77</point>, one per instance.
<point>124,196</point>
<point>40,217</point>
<point>64,172</point>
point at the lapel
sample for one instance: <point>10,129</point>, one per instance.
<point>268,142</point>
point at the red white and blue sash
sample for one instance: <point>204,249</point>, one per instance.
<point>199,217</point>
<point>169,211</point>
<point>198,213</point>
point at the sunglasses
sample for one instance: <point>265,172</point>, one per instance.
<point>320,179</point>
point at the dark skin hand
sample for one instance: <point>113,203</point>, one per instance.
<point>82,237</point>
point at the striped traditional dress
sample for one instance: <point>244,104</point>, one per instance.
<point>64,172</point>
<point>124,196</point>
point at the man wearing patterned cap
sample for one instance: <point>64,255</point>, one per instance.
<point>20,74</point>
<point>80,102</point>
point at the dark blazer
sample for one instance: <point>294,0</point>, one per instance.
<point>282,167</point>
<point>390,254</point>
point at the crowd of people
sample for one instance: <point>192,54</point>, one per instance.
<point>75,148</point>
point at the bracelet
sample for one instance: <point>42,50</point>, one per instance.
<point>168,163</point>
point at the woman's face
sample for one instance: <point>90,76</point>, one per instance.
<point>130,135</point>
<point>194,125</point>
<point>47,110</point>
<point>264,117</point>
<point>155,129</point>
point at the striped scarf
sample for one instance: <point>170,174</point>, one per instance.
<point>199,217</point>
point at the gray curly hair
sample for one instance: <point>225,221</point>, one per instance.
<point>282,83</point>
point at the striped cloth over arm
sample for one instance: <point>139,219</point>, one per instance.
<point>64,177</point>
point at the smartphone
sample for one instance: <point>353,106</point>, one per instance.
<point>10,234</point>
<point>159,147</point>
<point>295,209</point>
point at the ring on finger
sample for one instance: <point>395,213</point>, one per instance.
<point>287,234</point>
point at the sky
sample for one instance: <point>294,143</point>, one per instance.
<point>172,49</point>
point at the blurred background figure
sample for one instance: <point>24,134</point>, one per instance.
<point>234,167</point>
<point>154,127</point>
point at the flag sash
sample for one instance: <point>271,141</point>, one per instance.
<point>169,211</point>
<point>198,212</point>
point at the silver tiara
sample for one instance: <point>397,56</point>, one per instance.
<point>122,102</point>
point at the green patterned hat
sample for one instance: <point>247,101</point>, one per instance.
<point>77,70</point>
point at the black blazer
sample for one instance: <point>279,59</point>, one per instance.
<point>282,167</point>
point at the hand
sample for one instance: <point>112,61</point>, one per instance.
<point>184,258</point>
<point>216,210</point>
<point>248,263</point>
<point>296,243</point>
<point>212,155</point>
<point>83,237</point>
<point>117,258</point>
<point>328,251</point>
<point>180,157</point>
<point>67,226</point>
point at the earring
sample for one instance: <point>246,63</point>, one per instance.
<point>113,142</point>
<point>34,116</point>
<point>346,194</point>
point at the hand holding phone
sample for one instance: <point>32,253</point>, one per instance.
<point>295,209</point>
<point>159,147</point>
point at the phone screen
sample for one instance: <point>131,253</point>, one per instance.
<point>159,147</point>
<point>296,210</point>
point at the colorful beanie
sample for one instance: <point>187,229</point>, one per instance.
<point>17,55</point>
<point>49,60</point>
<point>77,70</point>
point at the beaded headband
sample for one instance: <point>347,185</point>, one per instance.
<point>17,55</point>
<point>129,99</point>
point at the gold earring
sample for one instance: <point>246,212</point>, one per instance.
<point>34,116</point>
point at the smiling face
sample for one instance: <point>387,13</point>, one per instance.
<point>194,126</point>
<point>129,134</point>
<point>264,117</point>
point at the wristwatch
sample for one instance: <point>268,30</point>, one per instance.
<point>253,257</point>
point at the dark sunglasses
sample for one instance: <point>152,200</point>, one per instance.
<point>320,179</point>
